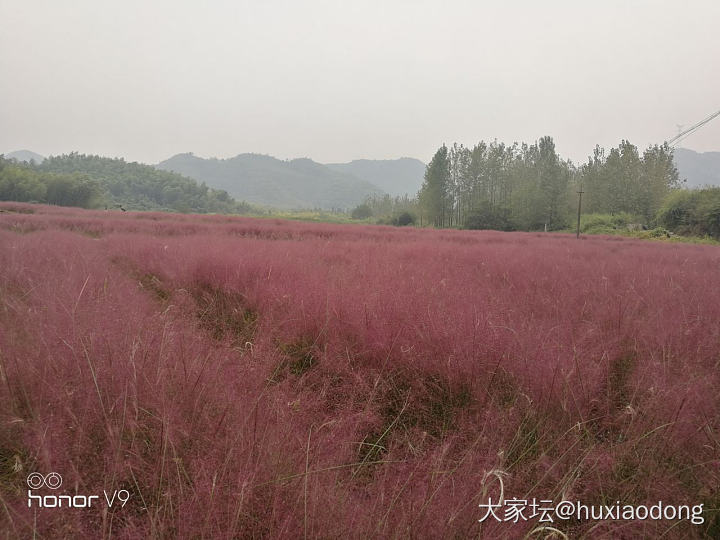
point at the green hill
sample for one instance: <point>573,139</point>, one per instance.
<point>396,177</point>
<point>20,182</point>
<point>135,186</point>
<point>267,181</point>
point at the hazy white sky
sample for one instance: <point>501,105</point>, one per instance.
<point>337,81</point>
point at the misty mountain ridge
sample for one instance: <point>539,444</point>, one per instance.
<point>25,156</point>
<point>290,184</point>
<point>698,168</point>
<point>397,177</point>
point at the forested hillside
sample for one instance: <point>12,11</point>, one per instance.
<point>135,186</point>
<point>396,177</point>
<point>265,180</point>
<point>23,184</point>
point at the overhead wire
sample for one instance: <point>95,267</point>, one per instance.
<point>683,134</point>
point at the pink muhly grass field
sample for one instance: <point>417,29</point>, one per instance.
<point>247,378</point>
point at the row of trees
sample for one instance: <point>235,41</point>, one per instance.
<point>622,180</point>
<point>23,184</point>
<point>530,187</point>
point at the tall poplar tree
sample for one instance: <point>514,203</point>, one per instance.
<point>435,196</point>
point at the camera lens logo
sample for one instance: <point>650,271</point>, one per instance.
<point>36,480</point>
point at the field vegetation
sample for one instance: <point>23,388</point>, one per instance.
<point>248,378</point>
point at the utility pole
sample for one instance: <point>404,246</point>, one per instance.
<point>580,193</point>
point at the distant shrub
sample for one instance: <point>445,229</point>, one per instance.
<point>607,223</point>
<point>692,212</point>
<point>362,211</point>
<point>657,232</point>
<point>406,218</point>
<point>487,217</point>
<point>676,212</point>
<point>400,220</point>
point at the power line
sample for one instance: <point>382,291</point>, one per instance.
<point>683,134</point>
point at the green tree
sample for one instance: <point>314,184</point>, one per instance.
<point>25,184</point>
<point>553,185</point>
<point>434,194</point>
<point>658,177</point>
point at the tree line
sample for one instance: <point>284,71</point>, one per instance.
<point>530,187</point>
<point>26,184</point>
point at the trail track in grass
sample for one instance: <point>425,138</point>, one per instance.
<point>265,378</point>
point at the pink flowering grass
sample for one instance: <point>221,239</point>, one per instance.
<point>247,378</point>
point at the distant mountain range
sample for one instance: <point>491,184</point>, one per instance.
<point>25,155</point>
<point>699,169</point>
<point>402,176</point>
<point>298,183</point>
<point>291,184</point>
<point>303,183</point>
